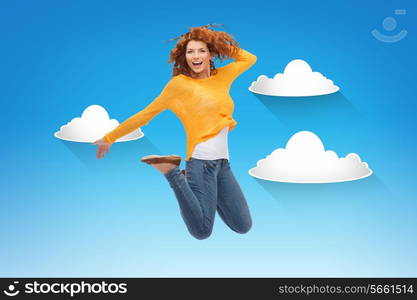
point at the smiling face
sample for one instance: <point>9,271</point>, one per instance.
<point>198,58</point>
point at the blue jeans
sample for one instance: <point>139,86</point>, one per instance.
<point>209,185</point>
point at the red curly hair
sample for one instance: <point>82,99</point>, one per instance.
<point>220,44</point>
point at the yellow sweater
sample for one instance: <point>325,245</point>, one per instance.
<point>204,106</point>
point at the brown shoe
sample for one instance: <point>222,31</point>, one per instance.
<point>157,159</point>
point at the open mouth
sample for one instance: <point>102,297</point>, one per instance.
<point>197,64</point>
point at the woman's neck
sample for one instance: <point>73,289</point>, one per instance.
<point>201,75</point>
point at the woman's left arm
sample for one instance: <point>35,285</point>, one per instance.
<point>243,61</point>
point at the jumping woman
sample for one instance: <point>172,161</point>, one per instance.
<point>198,94</point>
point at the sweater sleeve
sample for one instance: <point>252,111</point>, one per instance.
<point>143,117</point>
<point>243,61</point>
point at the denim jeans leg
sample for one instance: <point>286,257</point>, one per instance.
<point>231,203</point>
<point>197,196</point>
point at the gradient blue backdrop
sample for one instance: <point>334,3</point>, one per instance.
<point>65,213</point>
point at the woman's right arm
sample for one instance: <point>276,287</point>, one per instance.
<point>139,119</point>
<point>134,122</point>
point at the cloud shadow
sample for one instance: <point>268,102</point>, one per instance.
<point>347,195</point>
<point>123,153</point>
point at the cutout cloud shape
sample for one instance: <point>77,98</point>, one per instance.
<point>93,124</point>
<point>298,80</point>
<point>304,160</point>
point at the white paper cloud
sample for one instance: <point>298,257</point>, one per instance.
<point>93,125</point>
<point>298,80</point>
<point>304,160</point>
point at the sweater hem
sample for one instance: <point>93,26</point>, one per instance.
<point>191,146</point>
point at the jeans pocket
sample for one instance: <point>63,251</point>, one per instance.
<point>193,168</point>
<point>209,165</point>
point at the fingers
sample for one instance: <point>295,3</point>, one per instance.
<point>102,150</point>
<point>99,152</point>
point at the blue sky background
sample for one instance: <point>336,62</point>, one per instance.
<point>65,213</point>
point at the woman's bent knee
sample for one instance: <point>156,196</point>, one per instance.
<point>201,234</point>
<point>243,227</point>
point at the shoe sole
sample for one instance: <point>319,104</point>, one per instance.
<point>157,159</point>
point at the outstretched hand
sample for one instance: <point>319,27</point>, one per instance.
<point>103,148</point>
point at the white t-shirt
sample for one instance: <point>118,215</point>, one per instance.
<point>214,148</point>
